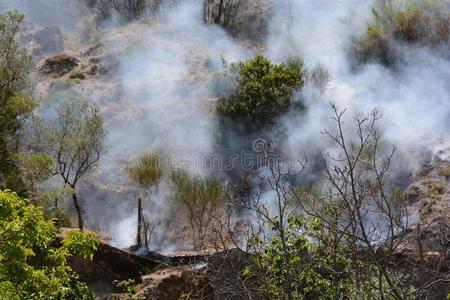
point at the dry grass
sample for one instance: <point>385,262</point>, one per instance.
<point>436,190</point>
<point>445,171</point>
<point>391,29</point>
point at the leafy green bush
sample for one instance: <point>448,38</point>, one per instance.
<point>393,25</point>
<point>31,267</point>
<point>81,243</point>
<point>294,267</point>
<point>258,90</point>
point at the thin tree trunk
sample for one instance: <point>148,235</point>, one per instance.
<point>139,224</point>
<point>77,207</point>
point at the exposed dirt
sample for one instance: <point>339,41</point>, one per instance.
<point>175,283</point>
<point>110,264</point>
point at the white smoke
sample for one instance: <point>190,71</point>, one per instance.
<point>413,97</point>
<point>159,97</point>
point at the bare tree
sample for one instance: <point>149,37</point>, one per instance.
<point>199,200</point>
<point>128,9</point>
<point>359,247</point>
<point>221,12</point>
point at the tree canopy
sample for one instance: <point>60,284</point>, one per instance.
<point>15,105</point>
<point>260,90</point>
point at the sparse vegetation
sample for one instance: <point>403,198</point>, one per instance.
<point>261,91</point>
<point>75,142</point>
<point>394,24</point>
<point>145,171</point>
<point>435,190</point>
<point>77,74</point>
<point>314,243</point>
<point>126,10</point>
<point>199,200</point>
<point>242,18</point>
<point>445,171</point>
<point>128,286</point>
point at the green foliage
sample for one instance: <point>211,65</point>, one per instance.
<point>419,23</point>
<point>146,170</point>
<point>295,265</point>
<point>15,106</point>
<point>81,243</point>
<point>31,267</point>
<point>74,138</point>
<point>262,90</point>
<point>128,286</point>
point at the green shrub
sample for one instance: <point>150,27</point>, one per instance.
<point>293,268</point>
<point>260,90</point>
<point>81,243</point>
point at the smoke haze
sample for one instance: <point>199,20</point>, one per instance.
<point>159,98</point>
